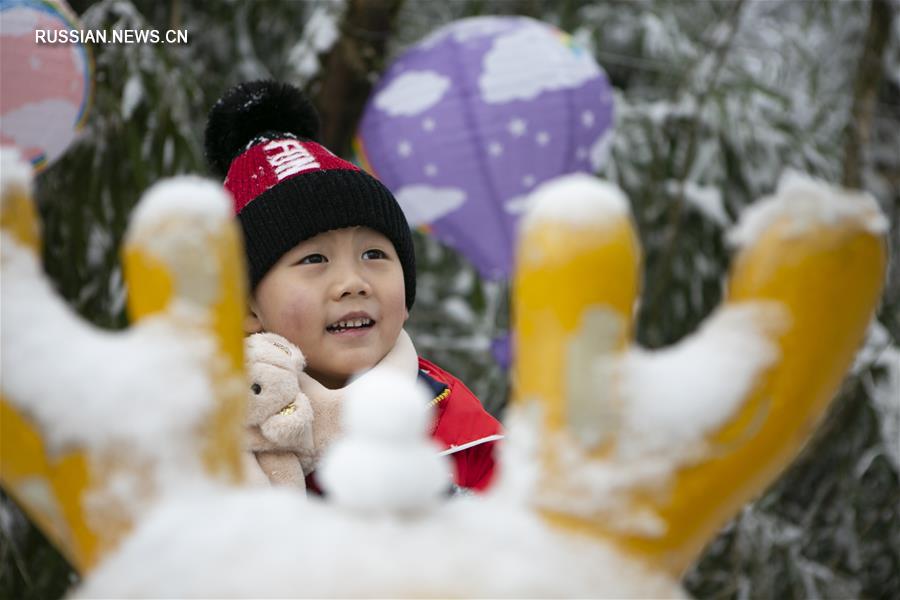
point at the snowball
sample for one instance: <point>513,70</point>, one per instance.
<point>576,199</point>
<point>386,459</point>
<point>806,202</point>
<point>388,407</point>
<point>373,476</point>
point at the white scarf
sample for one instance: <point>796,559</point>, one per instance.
<point>327,403</point>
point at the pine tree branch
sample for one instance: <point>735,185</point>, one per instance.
<point>865,90</point>
<point>676,210</point>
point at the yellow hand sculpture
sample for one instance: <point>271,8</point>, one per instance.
<point>64,459</point>
<point>814,251</point>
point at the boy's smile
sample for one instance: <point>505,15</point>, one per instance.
<point>352,324</point>
<point>340,297</point>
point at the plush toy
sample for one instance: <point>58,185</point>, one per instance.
<point>279,425</point>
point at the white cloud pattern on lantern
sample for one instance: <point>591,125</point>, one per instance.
<point>412,93</point>
<point>530,61</point>
<point>424,203</point>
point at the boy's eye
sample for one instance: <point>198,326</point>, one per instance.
<point>373,254</point>
<point>312,259</point>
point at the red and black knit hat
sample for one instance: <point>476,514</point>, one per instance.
<point>287,187</point>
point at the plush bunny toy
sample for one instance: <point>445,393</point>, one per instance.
<point>279,425</point>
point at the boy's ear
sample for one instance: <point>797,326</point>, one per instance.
<point>252,324</point>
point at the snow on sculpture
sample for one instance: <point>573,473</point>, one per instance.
<point>816,251</point>
<point>619,464</point>
<point>97,424</point>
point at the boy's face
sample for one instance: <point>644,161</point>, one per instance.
<point>340,297</point>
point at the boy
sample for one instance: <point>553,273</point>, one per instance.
<point>332,266</point>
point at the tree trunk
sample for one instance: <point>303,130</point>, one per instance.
<point>350,69</point>
<point>865,90</point>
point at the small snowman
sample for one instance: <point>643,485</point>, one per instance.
<point>386,460</point>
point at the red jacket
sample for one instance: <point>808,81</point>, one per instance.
<point>467,432</point>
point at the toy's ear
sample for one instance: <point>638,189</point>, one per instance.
<point>295,355</point>
<point>273,349</point>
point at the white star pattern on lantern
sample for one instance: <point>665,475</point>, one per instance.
<point>495,149</point>
<point>517,127</point>
<point>404,148</point>
<point>542,138</point>
<point>431,169</point>
<point>587,118</point>
<point>528,180</point>
<point>428,124</point>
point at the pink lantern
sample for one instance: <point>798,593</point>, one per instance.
<point>46,87</point>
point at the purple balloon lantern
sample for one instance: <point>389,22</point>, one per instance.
<point>467,122</point>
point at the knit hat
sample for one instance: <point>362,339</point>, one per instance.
<point>261,136</point>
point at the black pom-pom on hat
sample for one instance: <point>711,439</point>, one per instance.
<point>251,109</point>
